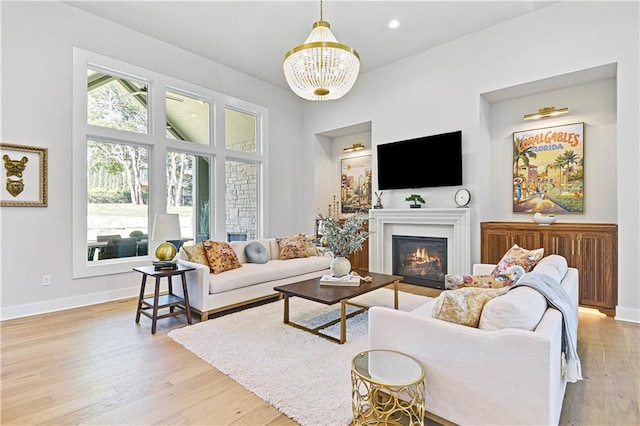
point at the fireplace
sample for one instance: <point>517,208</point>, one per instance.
<point>420,260</point>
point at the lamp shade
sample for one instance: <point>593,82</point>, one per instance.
<point>166,227</point>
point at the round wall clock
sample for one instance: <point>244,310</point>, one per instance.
<point>463,197</point>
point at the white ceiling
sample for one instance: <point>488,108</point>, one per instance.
<point>253,36</point>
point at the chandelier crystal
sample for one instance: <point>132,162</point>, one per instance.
<point>321,69</point>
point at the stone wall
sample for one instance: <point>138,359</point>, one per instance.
<point>241,193</point>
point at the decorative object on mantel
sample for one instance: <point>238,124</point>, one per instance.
<point>342,240</point>
<point>378,204</point>
<point>546,112</point>
<point>548,170</point>
<point>544,219</point>
<point>462,197</point>
<point>321,69</point>
<point>416,199</point>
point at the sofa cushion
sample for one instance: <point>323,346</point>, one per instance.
<point>553,265</point>
<point>256,252</point>
<point>464,305</point>
<point>291,247</point>
<point>518,256</point>
<point>273,248</point>
<point>238,247</point>
<point>452,282</point>
<point>221,256</point>
<point>522,307</point>
<point>254,273</point>
<point>196,254</point>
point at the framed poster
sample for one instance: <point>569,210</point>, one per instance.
<point>355,187</point>
<point>548,170</point>
<point>24,176</point>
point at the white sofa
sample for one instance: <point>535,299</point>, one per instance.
<point>210,293</point>
<point>496,374</point>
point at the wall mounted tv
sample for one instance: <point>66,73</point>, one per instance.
<point>422,162</point>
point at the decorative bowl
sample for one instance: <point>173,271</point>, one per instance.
<point>543,219</point>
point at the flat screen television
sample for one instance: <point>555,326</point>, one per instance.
<point>423,162</point>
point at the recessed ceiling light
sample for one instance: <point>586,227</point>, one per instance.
<point>394,23</point>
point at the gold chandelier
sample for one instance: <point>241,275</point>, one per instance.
<point>321,69</point>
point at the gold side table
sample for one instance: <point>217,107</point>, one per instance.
<point>387,388</point>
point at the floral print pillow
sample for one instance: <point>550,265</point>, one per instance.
<point>196,254</point>
<point>292,247</point>
<point>464,305</point>
<point>520,257</point>
<point>452,282</point>
<point>221,256</point>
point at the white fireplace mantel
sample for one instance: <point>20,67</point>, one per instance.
<point>454,224</point>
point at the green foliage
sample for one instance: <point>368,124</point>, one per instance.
<point>415,198</point>
<point>343,239</point>
<point>100,196</point>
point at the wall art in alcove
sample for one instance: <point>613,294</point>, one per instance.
<point>548,170</point>
<point>355,186</point>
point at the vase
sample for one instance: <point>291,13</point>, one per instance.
<point>340,266</point>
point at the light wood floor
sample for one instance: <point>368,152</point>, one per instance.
<point>94,365</point>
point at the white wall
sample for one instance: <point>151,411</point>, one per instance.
<point>37,43</point>
<point>441,90</point>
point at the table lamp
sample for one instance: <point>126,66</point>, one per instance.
<point>166,227</point>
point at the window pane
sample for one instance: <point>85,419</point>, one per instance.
<point>117,210</point>
<point>116,103</point>
<point>241,200</point>
<point>240,131</point>
<point>188,182</point>
<point>187,118</point>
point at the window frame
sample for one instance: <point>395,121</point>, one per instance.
<point>158,144</point>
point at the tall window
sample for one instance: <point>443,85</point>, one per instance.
<point>241,176</point>
<point>145,143</point>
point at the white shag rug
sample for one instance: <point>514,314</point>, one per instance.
<point>306,377</point>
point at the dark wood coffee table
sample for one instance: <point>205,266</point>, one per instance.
<point>329,295</point>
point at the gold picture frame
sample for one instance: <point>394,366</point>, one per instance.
<point>23,181</point>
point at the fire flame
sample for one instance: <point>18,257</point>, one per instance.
<point>422,256</point>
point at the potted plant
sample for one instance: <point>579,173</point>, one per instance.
<point>416,199</point>
<point>342,239</point>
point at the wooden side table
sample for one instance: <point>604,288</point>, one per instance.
<point>168,300</point>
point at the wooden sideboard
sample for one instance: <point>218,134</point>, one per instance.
<point>360,259</point>
<point>592,248</point>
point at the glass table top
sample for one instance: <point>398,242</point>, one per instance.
<point>388,367</point>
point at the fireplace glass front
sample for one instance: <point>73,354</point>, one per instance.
<point>420,260</point>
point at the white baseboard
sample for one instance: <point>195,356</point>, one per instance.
<point>627,314</point>
<point>30,309</point>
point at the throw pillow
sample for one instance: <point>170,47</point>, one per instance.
<point>291,247</point>
<point>464,306</point>
<point>221,256</point>
<point>256,252</point>
<point>310,247</point>
<point>518,256</point>
<point>196,254</point>
<point>452,282</point>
